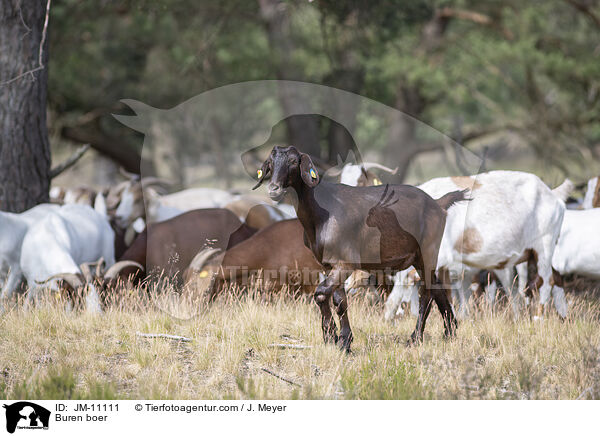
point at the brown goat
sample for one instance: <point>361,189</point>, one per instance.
<point>169,246</point>
<point>349,228</point>
<point>277,251</point>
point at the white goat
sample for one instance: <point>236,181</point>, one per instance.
<point>513,217</point>
<point>13,227</point>
<point>123,203</point>
<point>578,247</point>
<point>62,240</point>
<point>405,293</point>
<point>164,207</point>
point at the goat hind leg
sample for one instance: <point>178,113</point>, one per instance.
<point>445,308</point>
<point>510,288</point>
<point>549,287</point>
<point>425,301</point>
<point>441,295</point>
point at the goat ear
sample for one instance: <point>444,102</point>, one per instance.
<point>262,173</point>
<point>309,173</point>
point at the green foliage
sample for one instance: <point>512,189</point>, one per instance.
<point>526,67</point>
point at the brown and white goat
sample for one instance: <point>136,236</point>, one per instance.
<point>592,195</point>
<point>513,218</point>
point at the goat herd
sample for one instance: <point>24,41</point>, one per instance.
<point>416,245</point>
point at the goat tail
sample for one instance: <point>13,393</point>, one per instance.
<point>452,198</point>
<point>564,190</point>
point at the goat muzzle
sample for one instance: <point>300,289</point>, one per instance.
<point>275,192</point>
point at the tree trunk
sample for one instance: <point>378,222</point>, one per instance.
<point>24,146</point>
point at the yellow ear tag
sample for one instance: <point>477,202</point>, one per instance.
<point>313,174</point>
<point>204,274</point>
<point>376,182</point>
<point>259,172</point>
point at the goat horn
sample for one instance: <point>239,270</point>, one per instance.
<point>113,195</point>
<point>85,268</point>
<point>564,189</point>
<point>369,165</point>
<point>115,269</point>
<point>87,274</point>
<point>149,181</point>
<point>99,267</point>
<point>128,175</point>
<point>202,257</point>
<point>334,171</point>
<point>74,280</point>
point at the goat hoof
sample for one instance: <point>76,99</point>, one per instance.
<point>344,343</point>
<point>414,340</point>
<point>331,339</point>
<point>450,333</point>
<point>344,346</point>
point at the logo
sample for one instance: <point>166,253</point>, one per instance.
<point>26,415</point>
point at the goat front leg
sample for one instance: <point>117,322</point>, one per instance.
<point>322,297</point>
<point>341,304</point>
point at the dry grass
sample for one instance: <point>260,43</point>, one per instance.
<point>48,352</point>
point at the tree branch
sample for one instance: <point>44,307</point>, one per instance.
<point>44,33</point>
<point>268,371</point>
<point>475,17</point>
<point>586,10</point>
<point>40,51</point>
<point>117,150</point>
<point>163,335</point>
<point>70,161</point>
